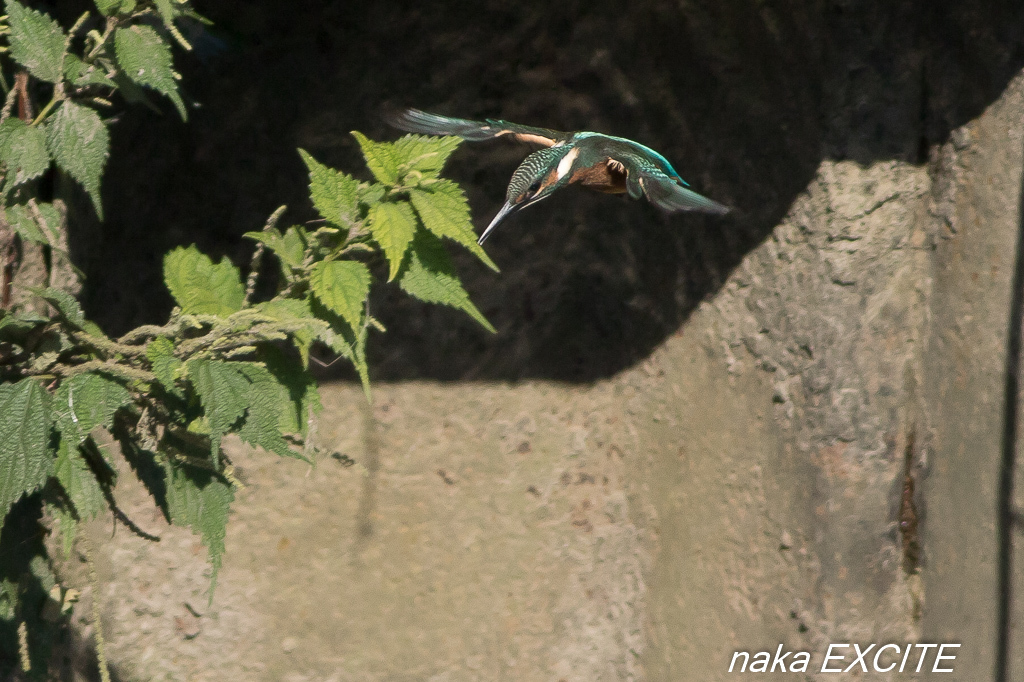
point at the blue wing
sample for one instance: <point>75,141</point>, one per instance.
<point>416,121</point>
<point>663,190</point>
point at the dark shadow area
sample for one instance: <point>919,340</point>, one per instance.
<point>26,577</point>
<point>1008,517</point>
<point>745,98</point>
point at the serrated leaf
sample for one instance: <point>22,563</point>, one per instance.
<point>15,327</point>
<point>160,353</point>
<point>85,401</point>
<point>81,73</point>
<point>342,286</point>
<point>78,141</point>
<point>20,220</point>
<point>268,407</point>
<point>445,212</point>
<point>371,193</point>
<point>290,247</point>
<point>335,194</point>
<point>393,226</point>
<point>49,222</point>
<point>342,339</point>
<point>302,394</point>
<point>287,309</point>
<point>78,480</point>
<point>200,500</point>
<point>430,276</point>
<point>293,246</point>
<point>25,425</point>
<point>66,524</point>
<point>66,304</point>
<point>224,392</point>
<point>292,310</point>
<point>427,155</point>
<point>168,12</point>
<point>146,59</point>
<point>380,158</point>
<point>108,7</point>
<point>200,286</point>
<point>37,42</point>
<point>132,92</point>
<point>22,151</point>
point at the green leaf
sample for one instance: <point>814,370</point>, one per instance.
<point>66,304</point>
<point>293,246</point>
<point>224,392</point>
<point>430,276</point>
<point>79,142</point>
<point>298,312</point>
<point>81,73</point>
<point>200,286</point>
<point>146,59</point>
<point>108,7</point>
<point>445,212</point>
<point>335,194</point>
<point>22,151</point>
<point>168,12</point>
<point>131,91</point>
<point>45,230</point>
<point>289,247</point>
<point>49,222</point>
<point>20,220</point>
<point>393,226</point>
<point>37,42</point>
<point>160,353</point>
<point>342,339</point>
<point>78,480</point>
<point>200,500</point>
<point>15,327</point>
<point>302,395</point>
<point>25,458</point>
<point>86,401</point>
<point>268,407</point>
<point>67,525</point>
<point>380,158</point>
<point>342,286</point>
<point>371,193</point>
<point>427,155</point>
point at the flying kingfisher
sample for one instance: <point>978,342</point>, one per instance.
<point>600,162</point>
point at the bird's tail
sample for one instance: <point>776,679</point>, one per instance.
<point>416,121</point>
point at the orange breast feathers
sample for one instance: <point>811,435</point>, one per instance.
<point>608,176</point>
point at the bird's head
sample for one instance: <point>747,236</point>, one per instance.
<point>540,174</point>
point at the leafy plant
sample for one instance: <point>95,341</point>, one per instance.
<point>224,364</point>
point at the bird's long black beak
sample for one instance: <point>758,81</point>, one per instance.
<point>509,207</point>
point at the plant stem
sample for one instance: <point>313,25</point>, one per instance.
<point>57,97</point>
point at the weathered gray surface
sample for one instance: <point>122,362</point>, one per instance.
<point>964,367</point>
<point>738,489</point>
<point>729,471</point>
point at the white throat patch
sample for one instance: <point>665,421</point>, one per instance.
<point>566,163</point>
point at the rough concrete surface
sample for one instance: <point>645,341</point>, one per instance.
<point>689,436</point>
<point>740,488</point>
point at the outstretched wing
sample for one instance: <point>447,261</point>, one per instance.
<point>416,121</point>
<point>663,190</point>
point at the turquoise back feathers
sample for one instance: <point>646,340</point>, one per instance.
<point>601,162</point>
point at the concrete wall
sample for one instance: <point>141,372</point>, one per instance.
<point>811,458</point>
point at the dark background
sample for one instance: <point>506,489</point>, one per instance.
<point>745,98</point>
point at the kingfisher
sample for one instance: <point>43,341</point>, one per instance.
<point>613,165</point>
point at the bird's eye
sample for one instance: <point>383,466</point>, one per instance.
<point>534,187</point>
